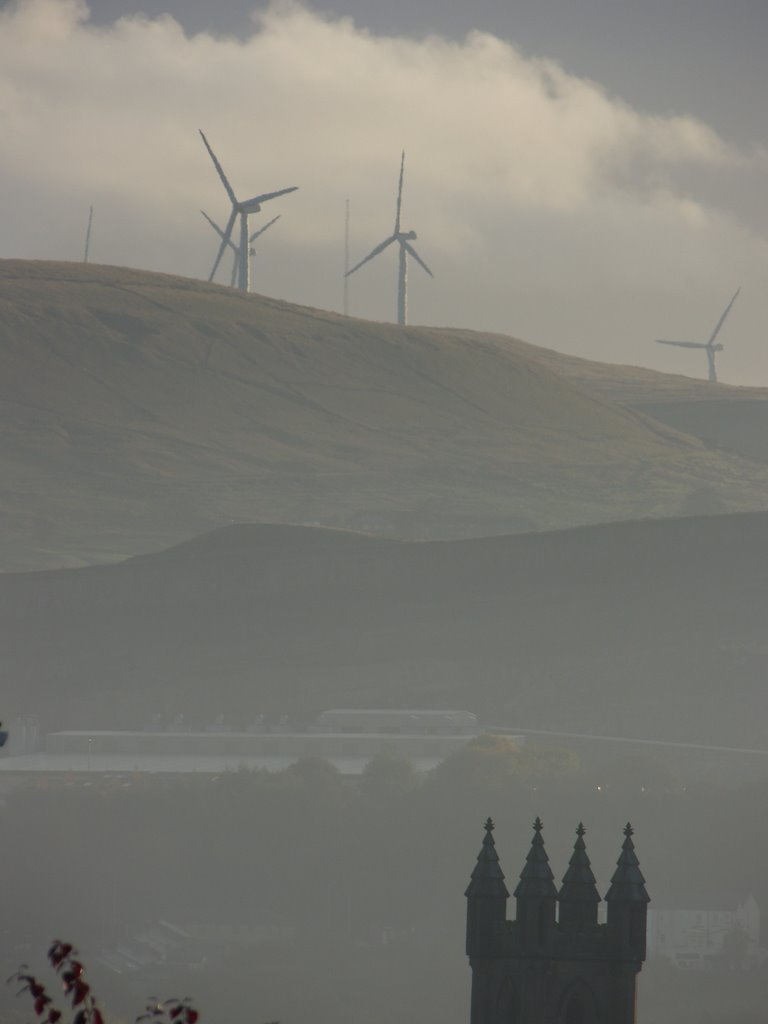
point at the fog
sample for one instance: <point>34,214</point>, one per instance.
<point>223,515</point>
<point>547,206</point>
<point>307,894</point>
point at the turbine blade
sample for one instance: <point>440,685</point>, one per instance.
<point>682,344</point>
<point>721,321</point>
<point>252,205</point>
<point>219,169</point>
<point>219,232</point>
<point>224,241</point>
<point>399,194</point>
<point>213,224</point>
<point>412,252</point>
<point>261,231</point>
<point>374,252</point>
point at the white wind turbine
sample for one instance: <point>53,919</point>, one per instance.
<point>243,211</point>
<point>404,239</point>
<point>709,346</point>
<point>235,248</point>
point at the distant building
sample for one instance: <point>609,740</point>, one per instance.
<point>348,738</point>
<point>396,722</point>
<point>705,935</point>
<point>554,964</point>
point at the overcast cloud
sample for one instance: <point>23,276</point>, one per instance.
<point>546,207</point>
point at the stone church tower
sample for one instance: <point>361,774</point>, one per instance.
<point>554,964</point>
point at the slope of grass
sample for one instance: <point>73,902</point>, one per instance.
<point>139,408</point>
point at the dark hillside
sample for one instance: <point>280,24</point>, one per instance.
<point>656,628</point>
<point>137,409</point>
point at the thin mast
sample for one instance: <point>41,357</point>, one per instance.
<point>346,258</point>
<point>88,235</point>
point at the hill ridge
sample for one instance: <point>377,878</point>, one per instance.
<point>139,408</point>
<point>541,629</point>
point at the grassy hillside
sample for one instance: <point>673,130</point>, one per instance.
<point>138,409</point>
<point>731,419</point>
<point>648,629</point>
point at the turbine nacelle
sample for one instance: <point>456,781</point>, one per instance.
<point>254,205</point>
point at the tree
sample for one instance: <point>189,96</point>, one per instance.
<point>63,957</point>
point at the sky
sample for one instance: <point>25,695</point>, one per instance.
<point>586,175</point>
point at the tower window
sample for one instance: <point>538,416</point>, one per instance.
<point>574,1013</point>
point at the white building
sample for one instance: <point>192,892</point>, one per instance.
<point>696,937</point>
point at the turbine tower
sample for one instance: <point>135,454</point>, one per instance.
<point>243,211</point>
<point>403,239</point>
<point>236,249</point>
<point>709,346</point>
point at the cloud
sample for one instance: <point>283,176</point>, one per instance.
<point>546,207</point>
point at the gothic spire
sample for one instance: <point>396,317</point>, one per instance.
<point>487,876</point>
<point>536,878</point>
<point>579,884</point>
<point>627,883</point>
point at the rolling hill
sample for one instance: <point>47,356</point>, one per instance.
<point>732,419</point>
<point>138,409</point>
<point>654,628</point>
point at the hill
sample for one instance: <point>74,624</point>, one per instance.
<point>655,628</point>
<point>732,419</point>
<point>138,409</point>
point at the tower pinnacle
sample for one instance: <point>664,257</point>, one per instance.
<point>627,883</point>
<point>487,876</point>
<point>578,895</point>
<point>536,878</point>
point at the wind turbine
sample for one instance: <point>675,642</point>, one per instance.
<point>242,210</point>
<point>709,346</point>
<point>236,249</point>
<point>403,239</point>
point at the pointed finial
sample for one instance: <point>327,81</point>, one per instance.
<point>536,876</point>
<point>487,876</point>
<point>579,896</point>
<point>627,883</point>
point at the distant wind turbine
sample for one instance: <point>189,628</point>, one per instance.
<point>403,239</point>
<point>242,210</point>
<point>235,248</point>
<point>709,346</point>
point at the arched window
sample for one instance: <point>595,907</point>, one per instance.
<point>513,1014</point>
<point>507,1008</point>
<point>578,1005</point>
<point>574,1010</point>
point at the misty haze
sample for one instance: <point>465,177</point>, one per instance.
<point>383,603</point>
